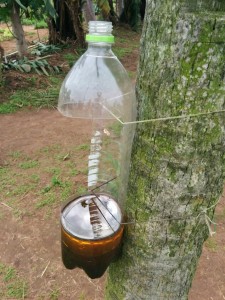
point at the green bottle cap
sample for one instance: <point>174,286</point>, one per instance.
<point>99,38</point>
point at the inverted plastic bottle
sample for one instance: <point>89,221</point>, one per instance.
<point>98,89</point>
<point>98,86</point>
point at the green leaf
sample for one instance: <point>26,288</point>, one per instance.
<point>18,67</point>
<point>56,69</point>
<point>39,63</point>
<point>50,9</point>
<point>5,12</point>
<point>50,69</point>
<point>26,67</point>
<point>37,71</point>
<point>21,5</point>
<point>44,70</point>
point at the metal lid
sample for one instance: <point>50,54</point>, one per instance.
<point>92,217</point>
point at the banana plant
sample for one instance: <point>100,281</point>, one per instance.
<point>41,67</point>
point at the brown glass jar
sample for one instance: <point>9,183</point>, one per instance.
<point>91,233</point>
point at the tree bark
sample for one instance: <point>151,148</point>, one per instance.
<point>119,7</point>
<point>68,23</point>
<point>89,14</point>
<point>76,16</point>
<point>17,28</point>
<point>131,13</point>
<point>177,170</point>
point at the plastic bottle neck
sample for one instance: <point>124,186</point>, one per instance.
<point>100,49</point>
<point>100,38</point>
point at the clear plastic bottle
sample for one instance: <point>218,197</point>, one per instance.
<point>98,88</point>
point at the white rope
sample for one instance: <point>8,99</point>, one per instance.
<point>164,118</point>
<point>203,213</point>
<point>208,221</point>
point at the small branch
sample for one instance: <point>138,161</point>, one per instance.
<point>11,31</point>
<point>6,205</point>
<point>10,54</point>
<point>38,33</point>
<point>41,57</point>
<point>45,269</point>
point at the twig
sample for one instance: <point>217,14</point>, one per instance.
<point>10,54</point>
<point>45,269</point>
<point>12,33</point>
<point>42,57</point>
<point>38,33</point>
<point>6,205</point>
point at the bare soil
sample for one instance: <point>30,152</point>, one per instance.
<point>30,242</point>
<point>32,36</point>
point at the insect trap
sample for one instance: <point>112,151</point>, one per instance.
<point>98,89</point>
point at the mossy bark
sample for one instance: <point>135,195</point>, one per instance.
<point>177,166</point>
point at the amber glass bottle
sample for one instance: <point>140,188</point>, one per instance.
<point>91,233</point>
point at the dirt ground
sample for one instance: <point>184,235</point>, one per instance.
<point>31,242</point>
<point>32,36</point>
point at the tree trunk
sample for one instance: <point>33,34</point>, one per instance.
<point>119,7</point>
<point>177,170</point>
<point>17,28</point>
<point>76,16</point>
<point>89,14</point>
<point>112,16</point>
<point>131,13</point>
<point>68,23</point>
<point>107,11</point>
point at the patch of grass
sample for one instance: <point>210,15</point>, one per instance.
<point>40,24</point>
<point>84,171</point>
<point>7,179</point>
<point>70,58</point>
<point>16,154</point>
<point>31,97</point>
<point>57,182</point>
<point>116,128</point>
<point>121,40</point>
<point>48,200</point>
<point>14,287</point>
<point>10,273</point>
<point>3,171</point>
<point>122,52</point>
<point>81,190</point>
<point>35,178</point>
<point>29,164</point>
<point>37,23</point>
<point>26,21</point>
<point>50,149</point>
<point>5,35</point>
<point>63,189</point>
<point>55,80</point>
<point>53,170</point>
<point>132,74</point>
<point>20,189</point>
<point>54,295</point>
<point>74,172</point>
<point>66,192</point>
<point>83,147</point>
<point>82,296</point>
<point>31,80</point>
<point>62,156</point>
<point>211,244</point>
